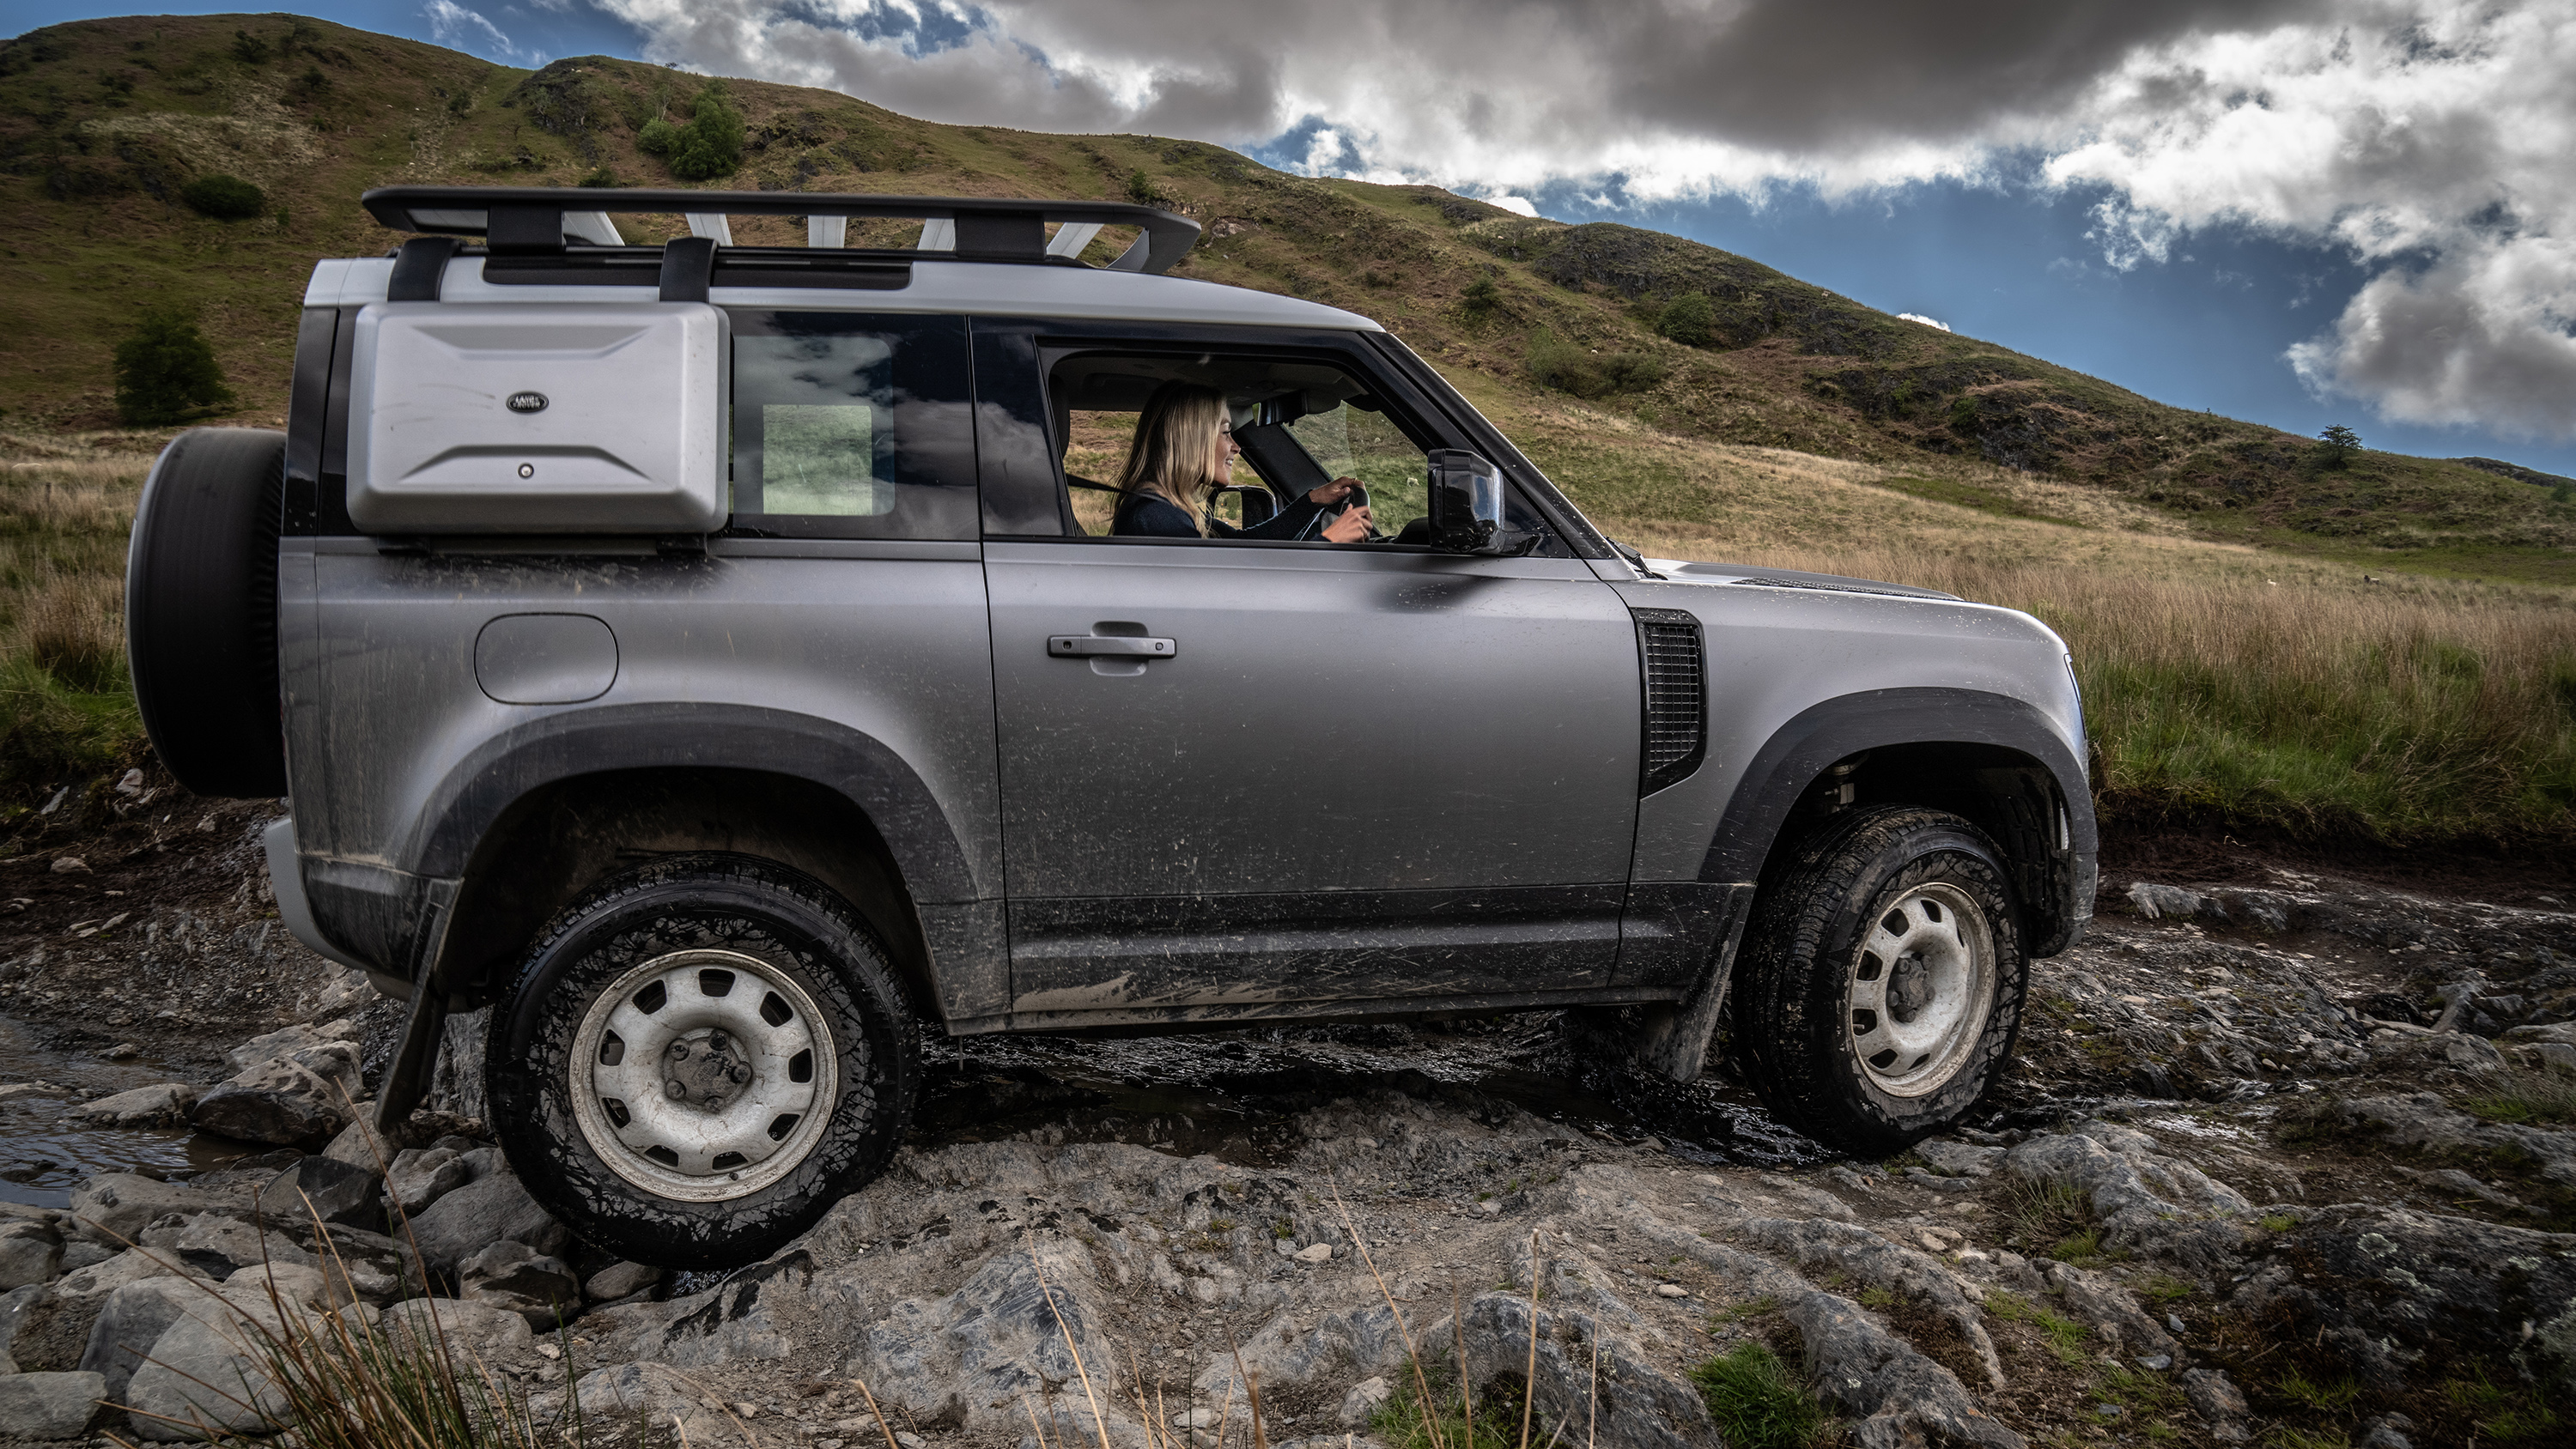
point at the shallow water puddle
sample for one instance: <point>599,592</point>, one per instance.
<point>45,1153</point>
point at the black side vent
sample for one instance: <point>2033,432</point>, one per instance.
<point>1676,666</point>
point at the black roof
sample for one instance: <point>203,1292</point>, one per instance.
<point>529,219</point>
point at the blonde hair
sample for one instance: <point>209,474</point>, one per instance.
<point>1179,452</point>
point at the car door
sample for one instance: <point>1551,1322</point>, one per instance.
<point>1245,778</point>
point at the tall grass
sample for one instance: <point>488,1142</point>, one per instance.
<point>2328,707</point>
<point>66,711</point>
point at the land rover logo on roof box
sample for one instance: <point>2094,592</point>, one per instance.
<point>527,402</point>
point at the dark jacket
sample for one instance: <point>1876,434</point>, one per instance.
<point>1149,515</point>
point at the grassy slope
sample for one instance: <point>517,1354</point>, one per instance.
<point>1813,431</point>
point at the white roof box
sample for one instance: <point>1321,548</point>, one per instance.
<point>572,418</point>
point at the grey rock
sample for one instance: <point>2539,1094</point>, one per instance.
<point>300,1099</point>
<point>2376,1279</point>
<point>79,1253</point>
<point>206,1370</point>
<point>49,1405</point>
<point>489,1209</point>
<point>1362,1339</point>
<point>365,1267</point>
<point>289,1039</point>
<point>969,1356</point>
<point>2212,1396</point>
<point>325,1187</point>
<point>423,1175</point>
<point>2155,902</point>
<point>472,1331</point>
<point>115,1208</point>
<point>2099,1300</point>
<point>2472,1053</point>
<point>163,1104</point>
<point>2380,1433</point>
<point>17,1340</point>
<point>2557,1056</point>
<point>30,1252</point>
<point>52,1329</point>
<point>2425,1123</point>
<point>519,1279</point>
<point>1878,1263</point>
<point>2146,1202</point>
<point>1958,1158</point>
<point>620,1280</point>
<point>1363,1401</point>
<point>659,1393</point>
<point>132,1320</point>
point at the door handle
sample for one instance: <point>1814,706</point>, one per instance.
<point>1096,646</point>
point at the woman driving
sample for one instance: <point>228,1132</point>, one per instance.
<point>1184,450</point>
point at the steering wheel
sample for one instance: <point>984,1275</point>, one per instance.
<point>1358,497</point>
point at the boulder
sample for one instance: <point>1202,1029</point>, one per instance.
<point>325,1187</point>
<point>970,1356</point>
<point>472,1331</point>
<point>2388,1289</point>
<point>2099,1300</point>
<point>30,1252</point>
<point>492,1208</point>
<point>287,1039</point>
<point>300,1099</point>
<point>163,1104</point>
<point>620,1280</point>
<point>661,1395</point>
<point>115,1208</point>
<point>1363,1401</point>
<point>131,1321</point>
<point>20,1338</point>
<point>366,1267</point>
<point>49,1405</point>
<point>55,1328</point>
<point>2147,1202</point>
<point>422,1175</point>
<point>516,1277</point>
<point>206,1374</point>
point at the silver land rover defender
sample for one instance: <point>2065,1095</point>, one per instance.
<point>702,655</point>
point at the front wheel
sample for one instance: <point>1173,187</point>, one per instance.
<point>698,1059</point>
<point>1883,977</point>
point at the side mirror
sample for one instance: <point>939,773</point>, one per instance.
<point>1466,502</point>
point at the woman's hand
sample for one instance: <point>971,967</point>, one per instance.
<point>1353,526</point>
<point>1333,492</point>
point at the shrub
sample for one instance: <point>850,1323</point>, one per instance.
<point>313,85</point>
<point>657,137</point>
<point>249,49</point>
<point>225,198</point>
<point>1689,319</point>
<point>1481,297</point>
<point>1756,1401</point>
<point>166,372</point>
<point>710,145</point>
<point>1567,367</point>
<point>1140,189</point>
<point>2340,444</point>
<point>601,176</point>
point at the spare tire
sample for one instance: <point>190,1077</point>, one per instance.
<point>201,610</point>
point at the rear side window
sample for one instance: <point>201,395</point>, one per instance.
<point>847,425</point>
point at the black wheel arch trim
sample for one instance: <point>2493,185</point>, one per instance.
<point>862,769</point>
<point>1811,742</point>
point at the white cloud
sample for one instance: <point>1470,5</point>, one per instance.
<point>2425,138</point>
<point>453,24</point>
<point>1519,205</point>
<point>1919,317</point>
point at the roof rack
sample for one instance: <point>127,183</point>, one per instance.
<point>542,219</point>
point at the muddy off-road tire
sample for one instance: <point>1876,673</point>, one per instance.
<point>1882,979</point>
<point>699,1058</point>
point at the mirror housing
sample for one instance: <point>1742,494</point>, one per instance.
<point>1466,497</point>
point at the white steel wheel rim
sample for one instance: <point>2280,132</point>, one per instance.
<point>756,1069</point>
<point>1921,989</point>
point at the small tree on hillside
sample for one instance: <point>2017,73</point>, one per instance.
<point>2341,443</point>
<point>711,144</point>
<point>166,372</point>
<point>1689,319</point>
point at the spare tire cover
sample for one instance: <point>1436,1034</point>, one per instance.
<point>201,610</point>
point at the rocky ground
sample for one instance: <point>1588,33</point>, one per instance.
<point>2288,1157</point>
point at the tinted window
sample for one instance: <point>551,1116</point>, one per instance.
<point>847,425</point>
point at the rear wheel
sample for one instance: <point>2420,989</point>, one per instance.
<point>699,1059</point>
<point>1882,981</point>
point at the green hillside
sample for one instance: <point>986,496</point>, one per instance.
<point>104,123</point>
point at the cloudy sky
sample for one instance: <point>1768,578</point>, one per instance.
<point>2298,211</point>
